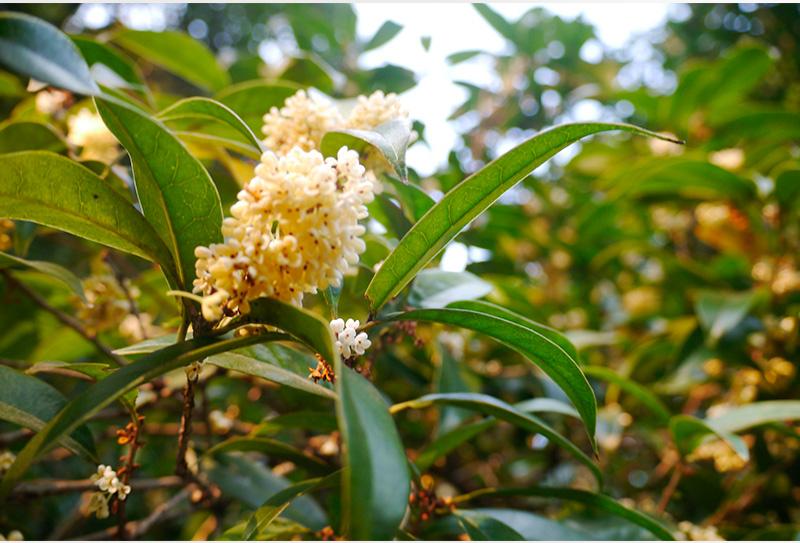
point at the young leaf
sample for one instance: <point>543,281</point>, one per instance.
<point>206,109</point>
<point>53,270</point>
<point>178,53</point>
<point>29,136</point>
<point>387,142</point>
<point>94,398</point>
<point>52,190</point>
<point>252,99</point>
<point>489,405</point>
<point>176,192</point>
<point>30,402</point>
<point>469,199</point>
<point>558,364</point>
<point>37,49</point>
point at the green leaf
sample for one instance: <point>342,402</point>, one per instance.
<point>275,374</point>
<point>53,270</point>
<point>647,398</point>
<point>252,99</point>
<point>689,433</point>
<point>721,312</point>
<point>30,403</point>
<point>463,56</point>
<point>269,447</point>
<point>787,188</point>
<point>52,190</point>
<point>384,35</point>
<point>387,143</point>
<point>177,195</point>
<point>449,441</point>
<point>102,57</point>
<point>35,48</point>
<point>558,364</point>
<point>469,199</point>
<point>376,479</point>
<point>497,21</point>
<point>97,396</point>
<point>489,405</point>
<point>747,416</point>
<point>280,501</point>
<point>29,136</point>
<point>416,201</point>
<point>434,288</point>
<point>485,528</point>
<point>599,501</point>
<point>308,70</point>
<point>178,53</point>
<point>206,109</point>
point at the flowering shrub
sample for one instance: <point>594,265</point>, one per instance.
<point>616,360</point>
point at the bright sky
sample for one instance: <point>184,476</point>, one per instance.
<point>456,27</point>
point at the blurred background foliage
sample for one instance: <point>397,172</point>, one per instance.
<point>674,266</point>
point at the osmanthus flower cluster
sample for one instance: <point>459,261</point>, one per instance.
<point>295,229</point>
<point>109,485</point>
<point>349,341</point>
<point>304,119</point>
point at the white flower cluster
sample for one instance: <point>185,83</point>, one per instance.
<point>87,130</point>
<point>13,535</point>
<point>7,459</point>
<point>109,484</point>
<point>295,229</point>
<point>349,341</point>
<point>51,102</point>
<point>303,119</point>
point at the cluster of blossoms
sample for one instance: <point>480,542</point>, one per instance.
<point>349,341</point>
<point>109,484</point>
<point>7,459</point>
<point>295,229</point>
<point>87,130</point>
<point>693,532</point>
<point>304,119</point>
<point>6,231</point>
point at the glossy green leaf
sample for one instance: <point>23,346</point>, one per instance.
<point>376,479</point>
<point>647,398</point>
<point>97,396</point>
<point>601,502</point>
<point>558,364</point>
<point>176,192</point>
<point>485,528</point>
<point>53,270</point>
<point>387,143</point>
<point>251,366</point>
<point>489,405</point>
<point>35,48</point>
<point>386,33</point>
<point>102,58</point>
<point>30,403</point>
<point>744,417</point>
<point>206,109</point>
<point>269,447</point>
<point>469,199</point>
<point>29,136</point>
<point>251,100</point>
<point>416,201</point>
<point>434,288</point>
<point>449,441</point>
<point>52,190</point>
<point>690,432</point>
<point>178,53</point>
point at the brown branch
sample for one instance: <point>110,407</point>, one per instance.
<point>38,488</point>
<point>63,317</point>
<point>671,487</point>
<point>185,430</point>
<point>135,529</point>
<point>131,433</point>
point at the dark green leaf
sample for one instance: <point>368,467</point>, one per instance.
<point>37,49</point>
<point>469,199</point>
<point>30,403</point>
<point>485,528</point>
<point>54,270</point>
<point>52,190</point>
<point>29,136</point>
<point>415,201</point>
<point>176,192</point>
<point>102,57</point>
<point>178,53</point>
<point>489,405</point>
<point>450,441</point>
<point>269,447</point>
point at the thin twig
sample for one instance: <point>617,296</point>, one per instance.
<point>120,279</point>
<point>63,317</point>
<point>131,432</point>
<point>671,487</point>
<point>185,430</point>
<point>38,488</point>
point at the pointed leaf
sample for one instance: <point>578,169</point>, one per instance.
<point>387,142</point>
<point>689,433</point>
<point>251,100</point>
<point>53,270</point>
<point>29,136</point>
<point>433,288</point>
<point>747,416</point>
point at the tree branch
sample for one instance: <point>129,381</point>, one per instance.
<point>38,488</point>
